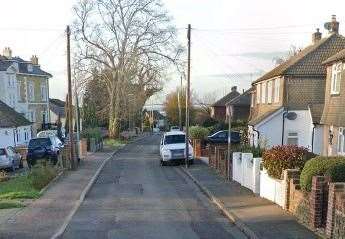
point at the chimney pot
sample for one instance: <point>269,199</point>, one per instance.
<point>34,60</point>
<point>334,25</point>
<point>316,36</point>
<point>234,89</point>
<point>7,52</point>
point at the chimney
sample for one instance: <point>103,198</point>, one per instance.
<point>34,60</point>
<point>7,52</point>
<point>332,26</point>
<point>316,36</point>
<point>234,89</point>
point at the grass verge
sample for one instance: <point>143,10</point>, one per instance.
<point>115,143</point>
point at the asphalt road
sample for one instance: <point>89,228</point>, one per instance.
<point>134,197</point>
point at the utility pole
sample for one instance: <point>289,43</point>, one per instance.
<point>70,119</point>
<point>188,95</point>
<point>229,142</point>
<point>77,119</point>
<point>179,105</point>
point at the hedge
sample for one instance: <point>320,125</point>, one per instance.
<point>198,132</point>
<point>92,133</point>
<point>334,167</point>
<point>279,158</point>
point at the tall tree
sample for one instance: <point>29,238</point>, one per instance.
<point>131,43</point>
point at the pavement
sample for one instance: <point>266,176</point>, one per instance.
<point>44,216</point>
<point>135,197</point>
<point>257,217</point>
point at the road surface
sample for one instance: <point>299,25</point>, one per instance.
<point>134,197</point>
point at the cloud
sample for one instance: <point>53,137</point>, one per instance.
<point>262,55</point>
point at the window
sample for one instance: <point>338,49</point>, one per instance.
<point>276,90</point>
<point>252,99</point>
<point>292,138</point>
<point>43,92</point>
<point>336,78</point>
<point>258,94</point>
<point>30,68</point>
<point>18,135</point>
<point>31,116</point>
<point>263,93</point>
<point>269,92</point>
<point>341,141</point>
<point>31,91</point>
<point>18,91</point>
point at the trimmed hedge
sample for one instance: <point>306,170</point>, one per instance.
<point>198,132</point>
<point>92,133</point>
<point>334,167</point>
<point>279,158</point>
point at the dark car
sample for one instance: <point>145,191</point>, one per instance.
<point>44,148</point>
<point>221,137</point>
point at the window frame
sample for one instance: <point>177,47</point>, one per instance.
<point>269,92</point>
<point>276,90</point>
<point>292,137</point>
<point>31,91</point>
<point>341,141</point>
<point>44,92</point>
<point>263,92</point>
<point>258,93</point>
<point>336,76</point>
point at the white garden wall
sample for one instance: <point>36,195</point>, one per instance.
<point>272,189</point>
<point>246,170</point>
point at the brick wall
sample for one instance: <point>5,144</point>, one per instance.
<point>218,159</point>
<point>336,213</point>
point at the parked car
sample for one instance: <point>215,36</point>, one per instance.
<point>10,159</point>
<point>172,148</point>
<point>175,128</point>
<point>44,148</point>
<point>221,137</point>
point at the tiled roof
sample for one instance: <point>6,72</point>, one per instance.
<point>316,112</point>
<point>223,101</point>
<point>243,99</point>
<point>10,118</point>
<point>23,66</point>
<point>308,62</point>
<point>337,57</point>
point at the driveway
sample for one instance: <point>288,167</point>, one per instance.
<point>134,197</point>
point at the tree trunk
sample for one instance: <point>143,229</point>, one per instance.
<point>114,126</point>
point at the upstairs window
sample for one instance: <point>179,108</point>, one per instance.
<point>269,92</point>
<point>252,99</point>
<point>263,93</point>
<point>43,92</point>
<point>336,78</point>
<point>31,93</point>
<point>258,93</point>
<point>276,90</point>
<point>292,138</point>
<point>341,141</point>
<point>30,68</point>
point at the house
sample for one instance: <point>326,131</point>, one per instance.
<point>15,129</point>
<point>218,109</point>
<point>333,115</point>
<point>57,109</point>
<point>25,87</point>
<point>239,107</point>
<point>287,102</point>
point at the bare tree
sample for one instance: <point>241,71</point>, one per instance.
<point>130,43</point>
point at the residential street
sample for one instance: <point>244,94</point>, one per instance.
<point>134,197</point>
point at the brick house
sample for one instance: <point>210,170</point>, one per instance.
<point>239,107</point>
<point>218,109</point>
<point>24,86</point>
<point>333,116</point>
<point>288,101</point>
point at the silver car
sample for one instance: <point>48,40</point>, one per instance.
<point>9,159</point>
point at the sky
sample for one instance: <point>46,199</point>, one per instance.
<point>233,42</point>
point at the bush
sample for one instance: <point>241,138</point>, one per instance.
<point>322,166</point>
<point>279,158</point>
<point>197,132</point>
<point>41,175</point>
<point>256,151</point>
<point>92,133</point>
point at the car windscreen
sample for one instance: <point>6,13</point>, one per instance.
<point>175,139</point>
<point>39,142</point>
<point>2,152</point>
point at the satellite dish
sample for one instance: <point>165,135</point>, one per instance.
<point>291,116</point>
<point>328,26</point>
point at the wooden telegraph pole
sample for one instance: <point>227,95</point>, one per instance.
<point>188,95</point>
<point>70,118</point>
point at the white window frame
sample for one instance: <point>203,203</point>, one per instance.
<point>341,141</point>
<point>336,78</point>
<point>252,99</point>
<point>276,90</point>
<point>43,92</point>
<point>258,93</point>
<point>269,92</point>
<point>294,137</point>
<point>263,92</point>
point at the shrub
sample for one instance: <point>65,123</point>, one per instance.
<point>279,158</point>
<point>322,166</point>
<point>256,151</point>
<point>41,175</point>
<point>92,133</point>
<point>197,132</point>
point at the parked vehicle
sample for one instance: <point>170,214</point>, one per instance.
<point>175,128</point>
<point>156,130</point>
<point>221,137</point>
<point>172,148</point>
<point>10,159</point>
<point>44,148</point>
<point>52,132</point>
